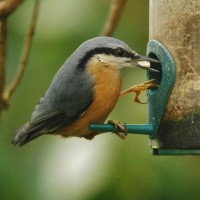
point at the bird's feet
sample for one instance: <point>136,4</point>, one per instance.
<point>122,133</point>
<point>137,89</point>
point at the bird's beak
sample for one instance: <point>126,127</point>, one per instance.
<point>145,62</point>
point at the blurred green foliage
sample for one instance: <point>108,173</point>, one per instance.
<point>52,168</point>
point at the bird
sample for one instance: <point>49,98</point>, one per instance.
<point>83,91</point>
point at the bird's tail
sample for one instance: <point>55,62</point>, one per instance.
<point>21,135</point>
<point>24,135</point>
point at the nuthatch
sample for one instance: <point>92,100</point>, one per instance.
<point>83,91</point>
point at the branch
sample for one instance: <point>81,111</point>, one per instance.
<point>25,53</point>
<point>113,17</point>
<point>3,40</point>
<point>8,6</point>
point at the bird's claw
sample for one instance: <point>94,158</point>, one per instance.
<point>123,131</point>
<point>137,89</point>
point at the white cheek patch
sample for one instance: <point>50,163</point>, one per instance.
<point>119,62</point>
<point>106,58</point>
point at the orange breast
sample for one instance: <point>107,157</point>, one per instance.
<point>107,87</point>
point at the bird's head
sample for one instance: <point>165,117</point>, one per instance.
<point>111,51</point>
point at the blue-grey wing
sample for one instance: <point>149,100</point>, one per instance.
<point>69,95</point>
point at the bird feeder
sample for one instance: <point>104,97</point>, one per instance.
<point>176,24</point>
<point>173,122</point>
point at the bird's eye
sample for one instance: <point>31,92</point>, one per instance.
<point>120,52</point>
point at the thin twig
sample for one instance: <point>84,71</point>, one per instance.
<point>113,17</point>
<point>8,6</point>
<point>3,40</point>
<point>25,53</point>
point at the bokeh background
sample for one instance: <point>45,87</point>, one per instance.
<point>52,168</point>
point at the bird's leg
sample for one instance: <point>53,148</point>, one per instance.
<point>137,89</point>
<point>122,133</point>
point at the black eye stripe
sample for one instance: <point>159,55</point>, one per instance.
<point>118,52</point>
